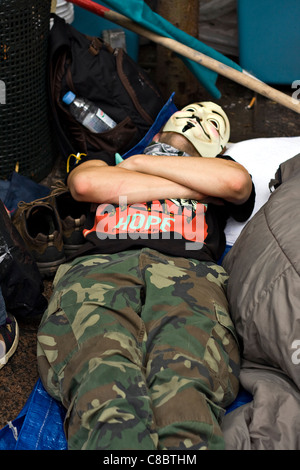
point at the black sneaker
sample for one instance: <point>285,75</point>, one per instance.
<point>9,338</point>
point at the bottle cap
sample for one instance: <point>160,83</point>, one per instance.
<point>69,97</point>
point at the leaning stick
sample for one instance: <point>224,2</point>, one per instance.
<point>243,78</point>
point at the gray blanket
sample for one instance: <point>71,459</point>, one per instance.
<point>264,297</point>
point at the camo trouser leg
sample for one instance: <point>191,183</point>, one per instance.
<point>140,349</point>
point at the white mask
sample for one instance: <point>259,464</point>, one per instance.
<point>204,124</point>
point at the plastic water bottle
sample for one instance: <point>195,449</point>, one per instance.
<point>88,114</point>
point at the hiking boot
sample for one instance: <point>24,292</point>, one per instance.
<point>39,225</point>
<point>66,217</point>
<point>72,215</point>
<point>9,338</point>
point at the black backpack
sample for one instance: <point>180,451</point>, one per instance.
<point>108,77</point>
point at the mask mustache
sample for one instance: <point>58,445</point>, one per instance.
<point>190,125</point>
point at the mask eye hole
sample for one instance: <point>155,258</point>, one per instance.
<point>214,123</point>
<point>190,110</point>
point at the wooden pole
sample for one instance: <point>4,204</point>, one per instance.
<point>172,75</point>
<point>243,78</point>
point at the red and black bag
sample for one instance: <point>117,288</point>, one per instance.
<point>108,77</point>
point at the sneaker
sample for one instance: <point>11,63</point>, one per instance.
<point>9,338</point>
<point>40,227</point>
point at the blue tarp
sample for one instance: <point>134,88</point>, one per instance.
<point>142,14</point>
<point>166,112</point>
<point>39,426</point>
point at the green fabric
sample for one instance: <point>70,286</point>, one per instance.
<point>141,350</point>
<point>142,14</point>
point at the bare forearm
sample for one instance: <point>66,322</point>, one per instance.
<point>101,183</point>
<point>213,177</point>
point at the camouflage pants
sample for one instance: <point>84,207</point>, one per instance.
<point>140,349</point>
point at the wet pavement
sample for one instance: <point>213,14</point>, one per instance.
<point>264,119</point>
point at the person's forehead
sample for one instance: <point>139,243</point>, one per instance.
<point>202,106</point>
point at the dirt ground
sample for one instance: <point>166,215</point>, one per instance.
<point>264,119</point>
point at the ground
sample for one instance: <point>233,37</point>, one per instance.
<point>265,119</point>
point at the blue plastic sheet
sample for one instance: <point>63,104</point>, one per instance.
<point>39,426</point>
<point>166,112</point>
<point>242,398</point>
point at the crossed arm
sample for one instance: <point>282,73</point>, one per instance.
<point>147,177</point>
